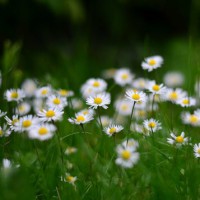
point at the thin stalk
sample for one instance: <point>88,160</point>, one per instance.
<point>98,111</point>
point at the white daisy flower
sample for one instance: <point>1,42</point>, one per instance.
<point>81,118</point>
<point>113,129</point>
<point>87,91</point>
<point>123,107</point>
<point>42,132</point>
<point>152,125</point>
<point>38,104</point>
<point>99,100</point>
<point>14,95</point>
<point>105,120</point>
<point>70,179</point>
<point>29,87</point>
<point>99,85</point>
<point>140,114</point>
<point>87,111</point>
<point>127,157</point>
<point>54,101</point>
<point>109,73</point>
<point>131,144</point>
<point>123,77</point>
<point>23,108</point>
<point>13,122</point>
<point>178,141</point>
<point>155,88</point>
<point>191,119</point>
<point>70,150</point>
<point>140,83</point>
<point>4,131</point>
<point>174,95</point>
<point>173,79</point>
<point>187,102</point>
<point>140,129</point>
<point>6,163</point>
<point>135,96</point>
<point>2,113</point>
<point>65,93</point>
<point>151,63</point>
<point>51,114</point>
<point>77,103</point>
<point>26,122</point>
<point>43,92</point>
<point>197,150</point>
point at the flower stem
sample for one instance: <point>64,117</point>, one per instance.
<point>98,111</point>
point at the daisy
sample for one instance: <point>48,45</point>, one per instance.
<point>70,150</point>
<point>4,131</point>
<point>197,150</point>
<point>54,101</point>
<point>51,114</point>
<point>140,114</point>
<point>151,63</point>
<point>139,128</point>
<point>77,103</point>
<point>113,129</point>
<point>23,108</point>
<point>99,85</point>
<point>178,140</point>
<point>131,144</point>
<point>127,157</point>
<point>81,118</point>
<point>140,83</point>
<point>123,77</point>
<point>13,122</point>
<point>26,122</point>
<point>152,125</point>
<point>2,113</point>
<point>105,120</point>
<point>29,87</point>
<point>109,73</point>
<point>87,91</point>
<point>99,100</point>
<point>42,132</point>
<point>186,102</point>
<point>70,179</point>
<point>43,92</point>
<point>191,119</point>
<point>38,104</point>
<point>123,107</point>
<point>155,88</point>
<point>14,95</point>
<point>173,79</point>
<point>65,93</point>
<point>174,95</point>
<point>135,96</point>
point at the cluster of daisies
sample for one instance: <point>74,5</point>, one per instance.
<point>37,109</point>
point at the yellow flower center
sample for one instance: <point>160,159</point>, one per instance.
<point>98,100</point>
<point>63,92</point>
<point>21,108</point>
<point>70,179</point>
<point>43,131</point>
<point>173,96</point>
<point>141,113</point>
<point>26,123</point>
<point>198,151</point>
<point>85,112</point>
<point>112,130</point>
<point>44,92</point>
<point>126,154</point>
<point>124,107</point>
<point>1,132</point>
<point>14,121</point>
<point>96,84</point>
<point>124,76</point>
<point>80,118</point>
<point>152,124</point>
<point>14,95</point>
<point>156,87</point>
<point>179,139</point>
<point>50,113</point>
<point>152,62</point>
<point>193,119</point>
<point>56,101</point>
<point>136,97</point>
<point>185,101</point>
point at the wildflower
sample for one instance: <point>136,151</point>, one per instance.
<point>123,77</point>
<point>131,143</point>
<point>173,79</point>
<point>191,119</point>
<point>13,122</point>
<point>174,95</point>
<point>105,120</point>
<point>98,85</point>
<point>54,101</point>
<point>155,88</point>
<point>43,92</point>
<point>23,108</point>
<point>4,131</point>
<point>139,128</point>
<point>14,95</point>
<point>135,95</point>
<point>140,83</point>
<point>26,122</point>
<point>186,102</point>
<point>152,125</point>
<point>6,163</point>
<point>81,118</point>
<point>99,100</point>
<point>29,87</point>
<point>113,129</point>
<point>51,114</point>
<point>65,93</point>
<point>178,140</point>
<point>109,73</point>
<point>127,157</point>
<point>2,113</point>
<point>70,150</point>
<point>151,63</point>
<point>197,150</point>
<point>123,107</point>
<point>70,179</point>
<point>140,114</point>
<point>77,104</point>
<point>42,131</point>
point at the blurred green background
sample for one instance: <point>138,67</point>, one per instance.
<point>76,39</point>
